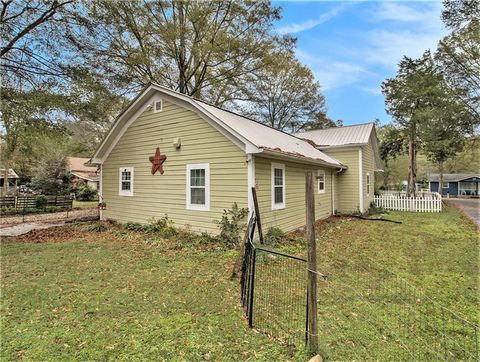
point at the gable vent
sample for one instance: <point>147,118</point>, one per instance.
<point>157,106</point>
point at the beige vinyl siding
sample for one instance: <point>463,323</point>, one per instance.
<point>368,167</point>
<point>157,195</point>
<point>293,215</point>
<point>347,181</point>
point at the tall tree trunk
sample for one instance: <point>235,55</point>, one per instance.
<point>412,164</point>
<point>440,178</point>
<point>5,178</point>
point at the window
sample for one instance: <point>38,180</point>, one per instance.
<point>321,181</point>
<point>157,106</point>
<point>278,186</point>
<point>445,185</point>
<point>125,181</point>
<point>198,187</point>
<point>368,183</point>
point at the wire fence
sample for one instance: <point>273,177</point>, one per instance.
<point>274,293</point>
<point>370,313</point>
<point>365,311</point>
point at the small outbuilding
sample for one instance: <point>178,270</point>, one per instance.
<point>11,183</point>
<point>455,184</point>
<point>168,153</point>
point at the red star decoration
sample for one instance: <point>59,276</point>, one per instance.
<point>157,161</point>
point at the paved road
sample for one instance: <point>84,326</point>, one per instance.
<point>470,206</point>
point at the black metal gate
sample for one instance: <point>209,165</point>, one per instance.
<point>274,292</point>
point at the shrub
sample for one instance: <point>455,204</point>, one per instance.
<point>231,224</point>
<point>41,202</point>
<point>96,227</point>
<point>273,236</point>
<point>163,226</point>
<point>135,226</point>
<point>53,209</point>
<point>85,193</point>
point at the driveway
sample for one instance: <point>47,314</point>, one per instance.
<point>471,207</point>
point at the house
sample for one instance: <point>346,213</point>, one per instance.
<point>168,153</point>
<point>454,184</point>
<point>82,173</point>
<point>12,180</point>
<point>357,148</point>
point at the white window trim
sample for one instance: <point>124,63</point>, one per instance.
<point>319,173</point>
<point>155,110</point>
<point>206,206</point>
<point>283,204</point>
<point>445,187</point>
<point>125,192</point>
<point>368,183</point>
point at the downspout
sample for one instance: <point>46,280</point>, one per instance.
<point>333,188</point>
<point>360,179</point>
<point>250,182</point>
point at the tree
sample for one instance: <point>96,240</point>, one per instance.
<point>458,54</point>
<point>286,96</point>
<point>30,32</point>
<point>411,99</point>
<point>392,145</point>
<point>457,13</point>
<point>197,48</point>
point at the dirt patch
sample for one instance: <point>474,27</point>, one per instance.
<point>54,234</point>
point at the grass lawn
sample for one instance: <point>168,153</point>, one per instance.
<point>85,295</point>
<point>80,204</point>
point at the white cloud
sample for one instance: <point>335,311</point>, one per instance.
<point>421,30</point>
<point>376,91</point>
<point>312,23</point>
<point>332,73</point>
<point>398,12</point>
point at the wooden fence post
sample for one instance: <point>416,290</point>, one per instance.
<point>311,263</point>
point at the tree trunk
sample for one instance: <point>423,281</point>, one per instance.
<point>412,165</point>
<point>5,178</point>
<point>440,179</point>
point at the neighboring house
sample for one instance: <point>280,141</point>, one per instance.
<point>455,184</point>
<point>12,180</point>
<point>81,173</point>
<point>168,153</point>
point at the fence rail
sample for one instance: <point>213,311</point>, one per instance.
<point>21,203</point>
<point>430,202</point>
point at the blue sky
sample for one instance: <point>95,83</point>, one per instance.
<point>353,46</point>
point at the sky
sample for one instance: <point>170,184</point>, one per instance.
<point>352,47</point>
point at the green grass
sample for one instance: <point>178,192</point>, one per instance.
<point>81,204</point>
<point>385,283</point>
<point>123,295</point>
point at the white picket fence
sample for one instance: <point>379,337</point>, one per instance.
<point>401,202</point>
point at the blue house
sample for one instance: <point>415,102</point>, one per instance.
<point>454,184</point>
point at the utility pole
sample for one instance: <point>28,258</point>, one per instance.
<point>311,263</point>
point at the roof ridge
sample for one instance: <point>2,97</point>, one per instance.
<point>237,114</point>
<point>338,127</point>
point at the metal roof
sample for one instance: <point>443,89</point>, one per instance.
<point>339,136</point>
<point>256,137</point>
<point>452,177</point>
<point>265,137</point>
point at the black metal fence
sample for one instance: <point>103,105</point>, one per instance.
<point>274,293</point>
<point>366,312</point>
